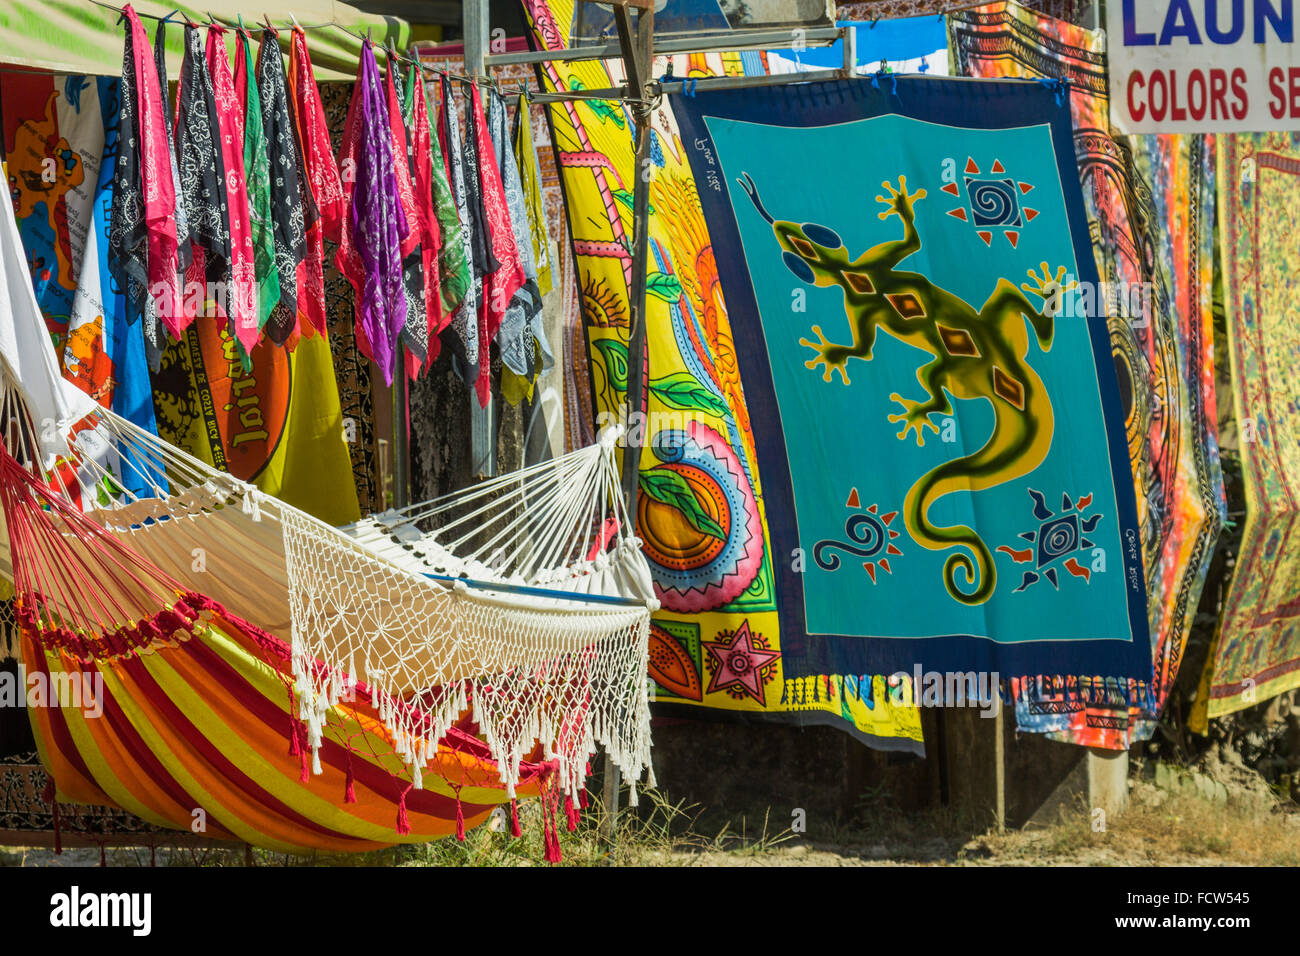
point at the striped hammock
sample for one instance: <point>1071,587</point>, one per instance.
<point>294,685</point>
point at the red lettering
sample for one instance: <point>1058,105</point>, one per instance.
<point>1242,106</point>
<point>1218,94</point>
<point>1195,101</point>
<point>1161,106</point>
<point>1136,109</point>
<point>1276,105</point>
<point>1176,113</point>
<point>1294,76</point>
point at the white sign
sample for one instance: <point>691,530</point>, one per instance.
<point>1190,66</point>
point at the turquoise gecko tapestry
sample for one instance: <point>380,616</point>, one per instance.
<point>914,300</point>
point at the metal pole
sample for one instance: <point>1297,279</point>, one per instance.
<point>481,419</point>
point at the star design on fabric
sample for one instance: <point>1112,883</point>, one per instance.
<point>738,663</point>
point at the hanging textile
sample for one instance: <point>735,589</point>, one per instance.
<point>143,242</point>
<point>715,595</point>
<point>465,319</point>
<point>416,118</point>
<point>522,337</point>
<point>915,44</point>
<point>257,169</point>
<point>69,125</point>
<point>453,270</point>
<point>240,301</point>
<point>1149,201</point>
<point>202,175</point>
<point>1257,651</point>
<point>323,192</point>
<point>376,227</point>
<point>531,183</point>
<point>288,228</point>
<point>415,332</point>
<point>985,546</point>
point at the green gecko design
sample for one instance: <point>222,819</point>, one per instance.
<point>976,355</point>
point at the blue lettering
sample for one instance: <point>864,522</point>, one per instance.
<point>1179,22</point>
<point>1283,24</point>
<point>1131,36</point>
<point>1233,33</point>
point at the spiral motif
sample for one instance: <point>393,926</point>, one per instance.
<point>865,530</point>
<point>993,202</point>
<point>1058,538</point>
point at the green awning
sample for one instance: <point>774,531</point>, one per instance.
<point>78,36</point>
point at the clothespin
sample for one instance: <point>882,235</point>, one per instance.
<point>270,27</point>
<point>874,22</point>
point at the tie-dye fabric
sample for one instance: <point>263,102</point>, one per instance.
<point>1150,207</point>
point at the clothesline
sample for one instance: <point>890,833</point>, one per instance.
<point>485,81</point>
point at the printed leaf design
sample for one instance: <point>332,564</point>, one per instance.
<point>626,197</point>
<point>664,286</point>
<point>668,487</point>
<point>615,355</point>
<point>681,391</point>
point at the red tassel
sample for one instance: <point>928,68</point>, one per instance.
<point>305,775</point>
<point>294,747</point>
<point>460,817</point>
<point>571,812</point>
<point>514,818</point>
<point>350,793</point>
<point>582,797</point>
<point>403,821</point>
<point>551,840</point>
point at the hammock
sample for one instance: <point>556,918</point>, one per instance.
<point>427,664</point>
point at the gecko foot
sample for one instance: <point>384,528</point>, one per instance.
<point>832,356</point>
<point>915,415</point>
<point>1049,288</point>
<point>899,201</point>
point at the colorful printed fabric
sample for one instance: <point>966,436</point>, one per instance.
<point>998,543</point>
<point>521,327</point>
<point>905,45</point>
<point>453,271</point>
<point>508,277</point>
<point>70,124</point>
<point>289,233</point>
<point>324,187</point>
<point>275,422</point>
<point>718,593</point>
<point>376,227</point>
<point>1257,652</point>
<point>416,116</point>
<point>241,299</point>
<point>1149,204</point>
<point>182,218</point>
<point>531,184</point>
<point>464,320</point>
<point>415,333</point>
<point>257,168</point>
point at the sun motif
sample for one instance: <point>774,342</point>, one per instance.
<point>1057,543</point>
<point>870,536</point>
<point>992,202</point>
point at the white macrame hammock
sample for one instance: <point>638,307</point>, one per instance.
<point>529,603</point>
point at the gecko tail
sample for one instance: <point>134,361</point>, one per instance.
<point>747,184</point>
<point>969,575</point>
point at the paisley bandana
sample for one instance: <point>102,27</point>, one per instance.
<point>241,298</point>
<point>289,233</point>
<point>417,119</point>
<point>324,192</point>
<point>370,246</point>
<point>257,167</point>
<point>464,320</point>
<point>453,271</point>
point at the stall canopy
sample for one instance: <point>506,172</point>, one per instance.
<point>79,36</point>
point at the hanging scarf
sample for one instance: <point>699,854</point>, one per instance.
<point>453,270</point>
<point>257,167</point>
<point>416,115</point>
<point>241,300</point>
<point>323,195</point>
<point>415,332</point>
<point>202,172</point>
<point>506,279</point>
<point>289,233</point>
<point>370,246</point>
<point>531,181</point>
<point>521,325</point>
<point>182,219</point>
<point>142,240</point>
<point>464,321</point>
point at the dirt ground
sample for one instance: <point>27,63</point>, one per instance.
<point>1226,817</point>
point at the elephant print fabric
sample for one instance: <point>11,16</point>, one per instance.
<point>935,410</point>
